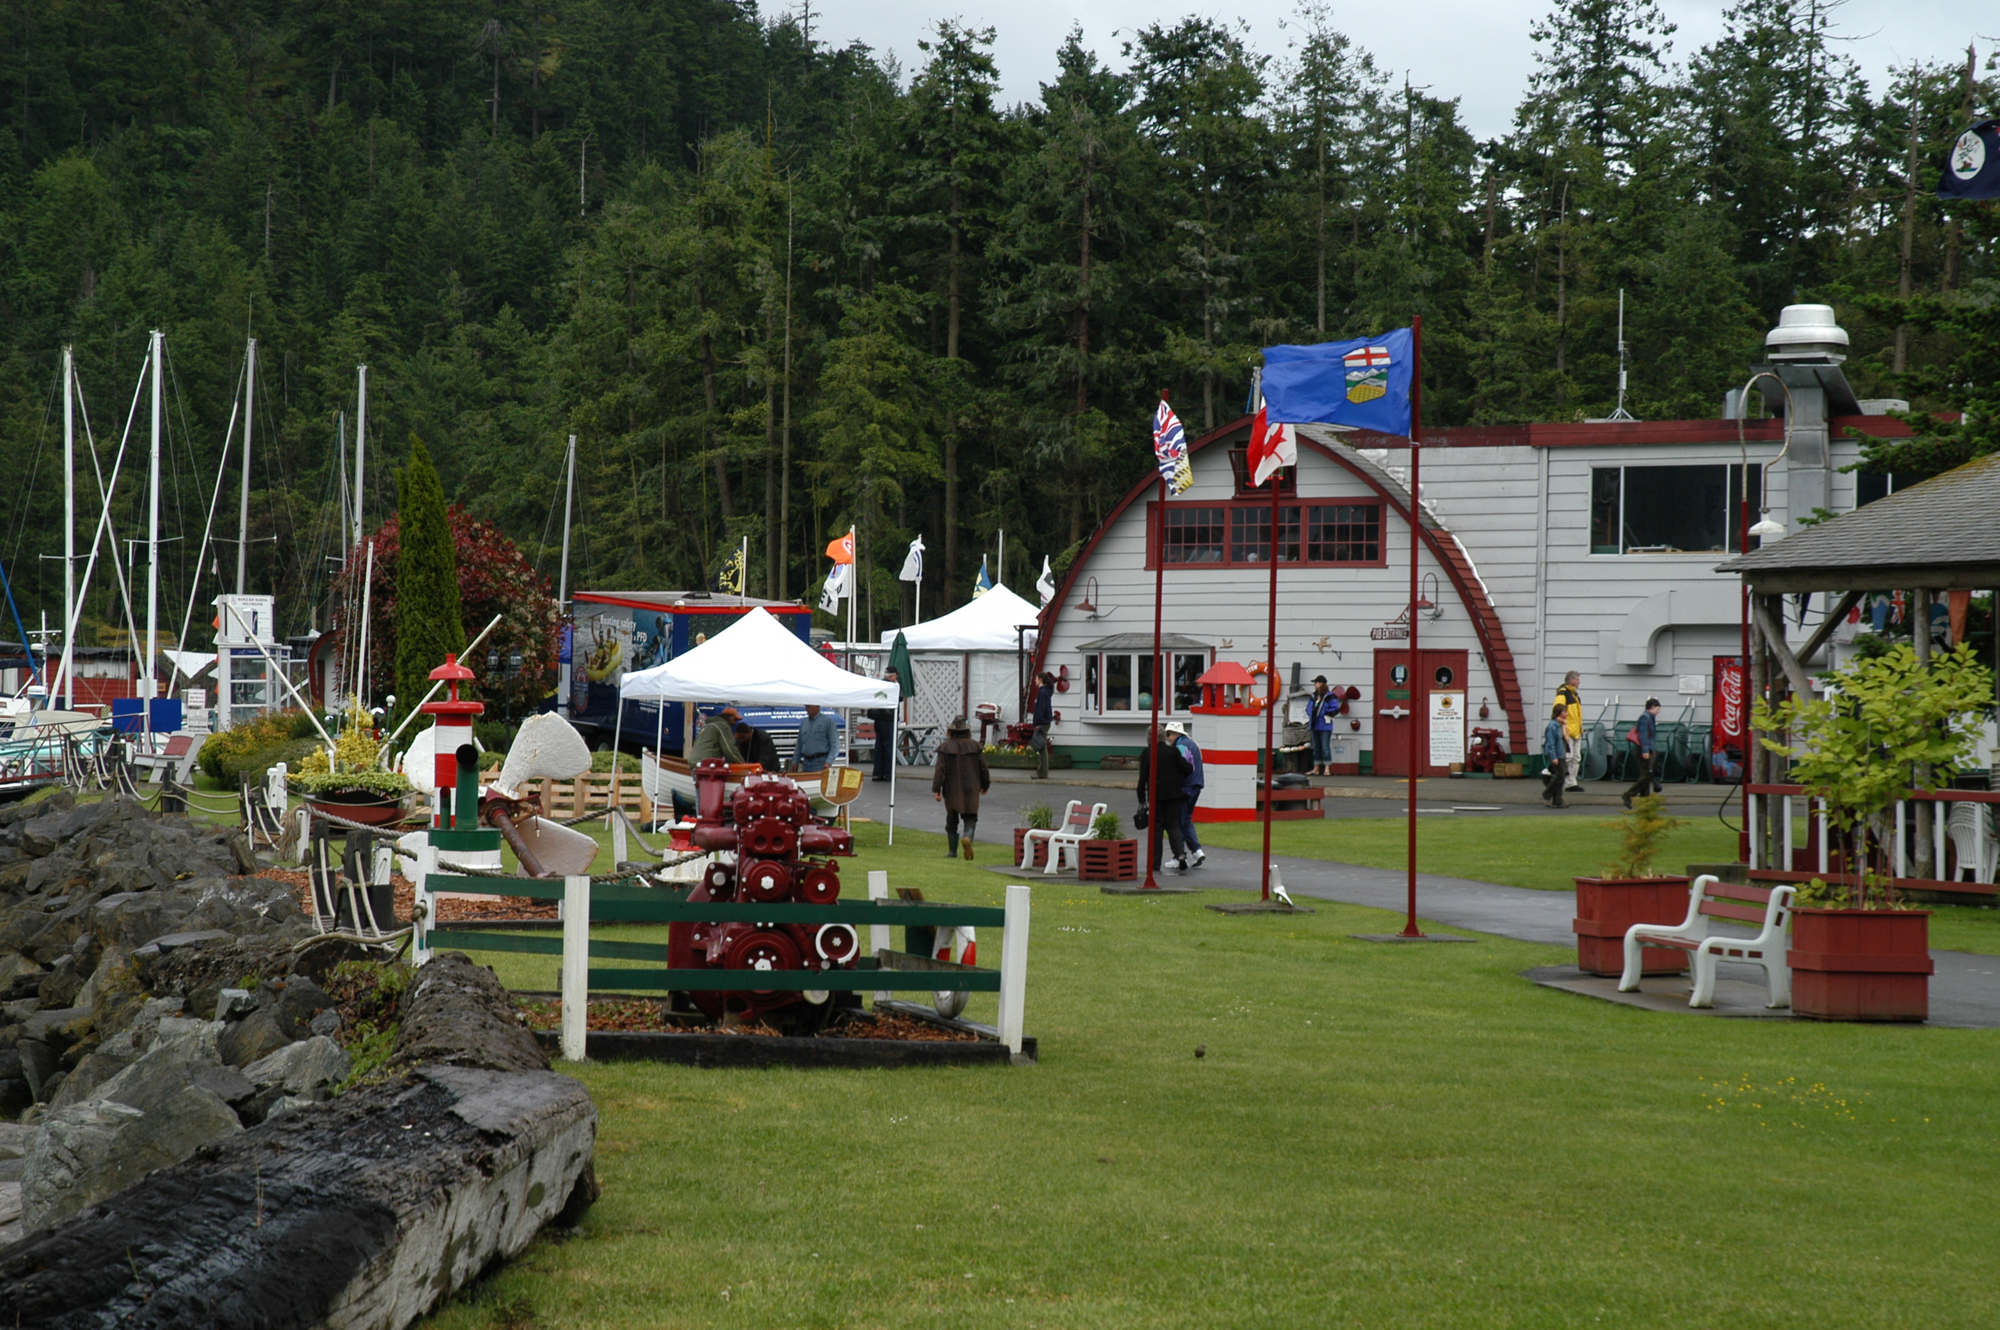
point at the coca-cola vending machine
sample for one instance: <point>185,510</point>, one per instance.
<point>1729,728</point>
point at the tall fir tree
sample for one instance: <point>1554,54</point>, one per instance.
<point>428,619</point>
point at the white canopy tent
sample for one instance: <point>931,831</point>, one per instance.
<point>982,637</point>
<point>760,662</point>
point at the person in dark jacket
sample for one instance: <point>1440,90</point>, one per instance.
<point>1170,799</point>
<point>758,747</point>
<point>885,748</point>
<point>1044,717</point>
<point>718,738</point>
<point>1648,730</point>
<point>957,781</point>
<point>1190,750</point>
<point>1555,751</point>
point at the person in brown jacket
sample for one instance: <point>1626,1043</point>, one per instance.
<point>957,781</point>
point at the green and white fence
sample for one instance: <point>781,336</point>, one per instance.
<point>585,903</point>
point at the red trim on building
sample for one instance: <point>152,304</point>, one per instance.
<point>1638,433</point>
<point>1444,548</point>
<point>1229,757</point>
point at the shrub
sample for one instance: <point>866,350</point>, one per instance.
<point>1640,832</point>
<point>1038,817</point>
<point>1107,826</point>
<point>227,755</point>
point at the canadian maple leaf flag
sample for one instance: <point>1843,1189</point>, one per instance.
<point>1271,446</point>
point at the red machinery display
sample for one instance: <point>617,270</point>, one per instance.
<point>782,854</point>
<point>1488,748</point>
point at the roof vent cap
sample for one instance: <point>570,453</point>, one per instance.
<point>1807,333</point>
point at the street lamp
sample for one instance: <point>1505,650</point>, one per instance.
<point>1767,528</point>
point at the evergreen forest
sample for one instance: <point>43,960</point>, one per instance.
<point>774,288</point>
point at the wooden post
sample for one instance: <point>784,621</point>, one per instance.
<point>1014,966</point>
<point>575,981</point>
<point>878,934</point>
<point>1920,639</point>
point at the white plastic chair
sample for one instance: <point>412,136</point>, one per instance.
<point>1975,848</point>
<point>1028,837</point>
<point>1064,844</point>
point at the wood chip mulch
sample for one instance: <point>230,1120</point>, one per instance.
<point>450,909</point>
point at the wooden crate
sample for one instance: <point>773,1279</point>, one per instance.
<point>565,799</point>
<point>1508,771</point>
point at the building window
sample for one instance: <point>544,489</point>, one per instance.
<point>1239,467</point>
<point>1670,509</point>
<point>1225,535</point>
<point>1872,485</point>
<point>1122,681</point>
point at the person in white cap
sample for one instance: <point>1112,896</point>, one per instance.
<point>1181,739</point>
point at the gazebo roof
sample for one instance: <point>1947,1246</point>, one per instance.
<point>1943,534</point>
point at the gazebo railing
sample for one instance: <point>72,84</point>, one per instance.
<point>1906,872</point>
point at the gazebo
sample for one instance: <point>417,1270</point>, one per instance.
<point>1939,536</point>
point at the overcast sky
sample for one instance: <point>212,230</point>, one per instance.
<point>1476,50</point>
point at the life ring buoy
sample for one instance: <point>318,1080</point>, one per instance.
<point>1270,695</point>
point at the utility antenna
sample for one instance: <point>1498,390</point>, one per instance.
<point>1620,413</point>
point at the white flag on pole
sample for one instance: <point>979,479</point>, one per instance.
<point>835,589</point>
<point>1045,585</point>
<point>913,562</point>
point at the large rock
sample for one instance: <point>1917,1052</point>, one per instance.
<point>310,1069</point>
<point>331,1218</point>
<point>90,1152</point>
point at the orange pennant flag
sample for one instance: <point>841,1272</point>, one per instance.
<point>841,548</point>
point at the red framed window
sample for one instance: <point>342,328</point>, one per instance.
<point>1238,534</point>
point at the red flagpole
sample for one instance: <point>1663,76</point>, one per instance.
<point>1417,719</point>
<point>1270,708</point>
<point>1155,831</point>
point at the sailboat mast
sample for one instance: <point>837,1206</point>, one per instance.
<point>149,682</point>
<point>69,523</point>
<point>243,498</point>
<point>360,451</point>
<point>564,667</point>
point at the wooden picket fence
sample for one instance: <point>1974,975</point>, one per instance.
<point>565,799</point>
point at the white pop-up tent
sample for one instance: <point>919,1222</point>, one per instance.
<point>969,656</point>
<point>758,661</point>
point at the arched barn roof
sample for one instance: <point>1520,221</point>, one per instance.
<point>1443,545</point>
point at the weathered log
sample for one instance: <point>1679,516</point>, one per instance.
<point>365,1212</point>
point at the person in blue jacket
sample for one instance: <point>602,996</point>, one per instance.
<point>1555,751</point>
<point>1044,716</point>
<point>1181,739</point>
<point>1648,732</point>
<point>1321,708</point>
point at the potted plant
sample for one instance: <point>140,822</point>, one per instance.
<point>1037,817</point>
<point>1107,856</point>
<point>1887,726</point>
<point>1630,892</point>
<point>346,782</point>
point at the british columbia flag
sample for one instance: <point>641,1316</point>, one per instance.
<point>1170,449</point>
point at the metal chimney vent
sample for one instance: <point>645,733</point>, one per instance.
<point>1807,333</point>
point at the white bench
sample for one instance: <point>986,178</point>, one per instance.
<point>1064,844</point>
<point>1708,901</point>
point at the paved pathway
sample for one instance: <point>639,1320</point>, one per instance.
<point>1965,991</point>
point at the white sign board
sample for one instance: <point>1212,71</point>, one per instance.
<point>1447,728</point>
<point>244,620</point>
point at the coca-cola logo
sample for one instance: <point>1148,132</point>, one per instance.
<point>1730,688</point>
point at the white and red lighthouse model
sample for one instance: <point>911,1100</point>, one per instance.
<point>452,731</point>
<point>1232,736</point>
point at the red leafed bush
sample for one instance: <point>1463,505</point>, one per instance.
<point>493,578</point>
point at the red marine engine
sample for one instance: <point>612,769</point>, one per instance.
<point>781,854</point>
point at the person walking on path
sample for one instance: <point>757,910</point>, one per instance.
<point>1044,717</point>
<point>1571,698</point>
<point>1321,708</point>
<point>1646,733</point>
<point>1555,750</point>
<point>818,736</point>
<point>1192,752</point>
<point>1172,796</point>
<point>957,781</point>
<point>885,751</point>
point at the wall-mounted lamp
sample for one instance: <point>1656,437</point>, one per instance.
<point>1768,527</point>
<point>1427,598</point>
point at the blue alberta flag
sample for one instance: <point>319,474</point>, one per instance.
<point>1364,383</point>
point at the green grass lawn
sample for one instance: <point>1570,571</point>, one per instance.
<point>1376,1136</point>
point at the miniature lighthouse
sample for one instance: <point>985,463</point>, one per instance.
<point>1233,700</point>
<point>452,732</point>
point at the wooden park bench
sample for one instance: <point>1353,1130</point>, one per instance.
<point>1769,908</point>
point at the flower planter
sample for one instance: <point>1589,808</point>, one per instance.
<point>1607,906</point>
<point>1041,859</point>
<point>1861,965</point>
<point>1108,860</point>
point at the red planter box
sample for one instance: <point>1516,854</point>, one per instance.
<point>1041,859</point>
<point>1108,860</point>
<point>1861,965</point>
<point>1607,906</point>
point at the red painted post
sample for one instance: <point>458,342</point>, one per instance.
<point>1417,719</point>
